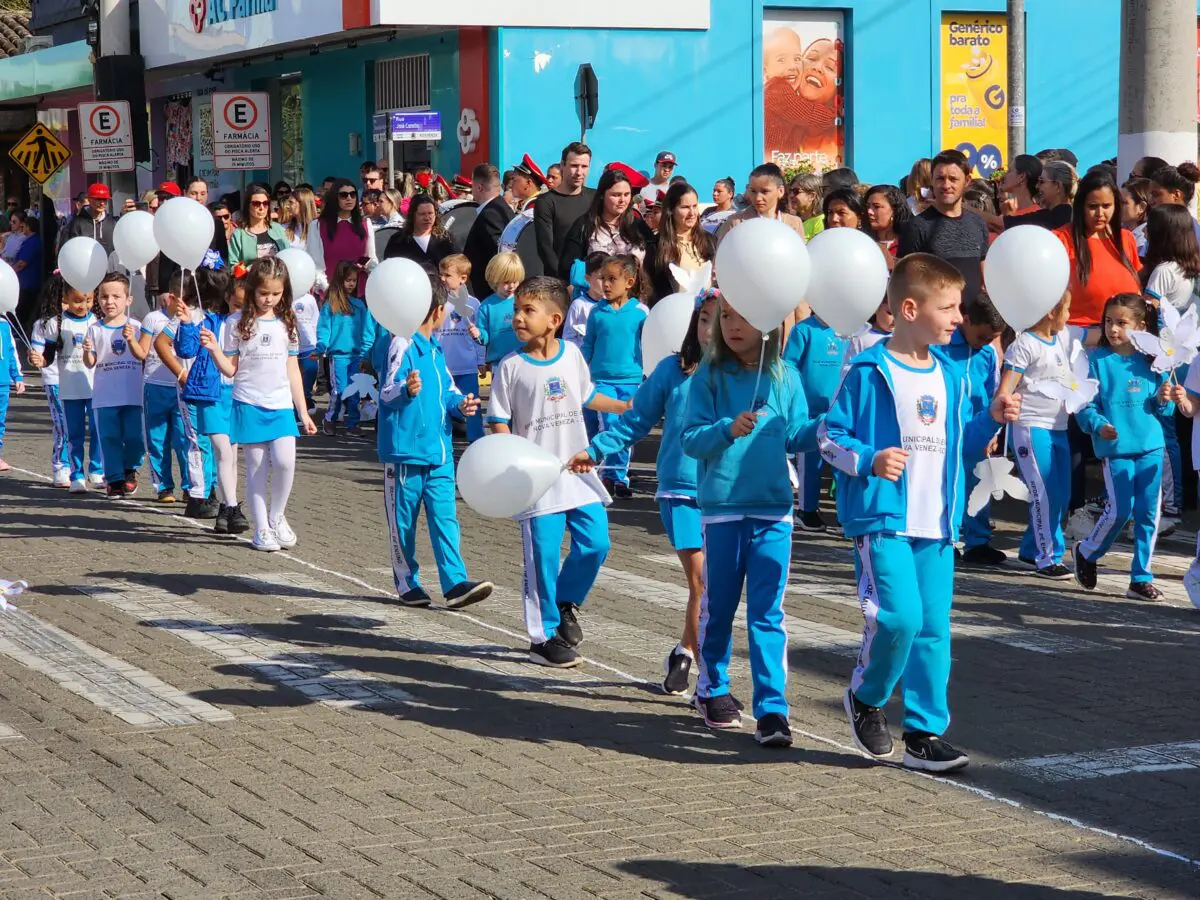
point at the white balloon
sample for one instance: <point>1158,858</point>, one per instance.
<point>665,328</point>
<point>398,296</point>
<point>1026,273</point>
<point>10,289</point>
<point>763,269</point>
<point>134,240</point>
<point>302,271</point>
<point>83,263</point>
<point>849,278</point>
<point>184,228</point>
<point>501,475</point>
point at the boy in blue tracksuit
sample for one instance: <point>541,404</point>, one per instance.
<point>413,433</point>
<point>10,378</point>
<point>972,348</point>
<point>815,351</point>
<point>612,348</point>
<point>898,432</point>
<point>342,337</point>
<point>1125,422</point>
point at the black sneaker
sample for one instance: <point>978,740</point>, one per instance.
<point>416,598</point>
<point>773,731</point>
<point>1144,590</point>
<point>115,491</point>
<point>676,669</point>
<point>237,520</point>
<point>556,653</point>
<point>221,526</point>
<point>810,521</point>
<point>568,626</point>
<point>930,753</point>
<point>328,428</point>
<point>869,727</point>
<point>194,508</point>
<point>468,592</point>
<point>719,712</point>
<point>622,491</point>
<point>984,555</point>
<point>1055,572</point>
<point>1085,572</point>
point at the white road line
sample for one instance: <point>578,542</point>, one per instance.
<point>1109,763</point>
<point>962,623</point>
<point>129,693</point>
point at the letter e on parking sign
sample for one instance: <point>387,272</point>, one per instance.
<point>241,130</point>
<point>106,136</point>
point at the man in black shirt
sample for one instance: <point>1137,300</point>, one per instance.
<point>557,210</point>
<point>945,229</point>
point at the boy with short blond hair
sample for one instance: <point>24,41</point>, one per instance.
<point>493,326</point>
<point>898,432</point>
<point>464,357</point>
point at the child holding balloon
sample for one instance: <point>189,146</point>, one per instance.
<point>540,394</point>
<point>416,399</point>
<point>663,397</point>
<point>898,432</point>
<point>746,414</point>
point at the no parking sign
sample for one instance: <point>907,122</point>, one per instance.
<point>241,130</point>
<point>105,137</point>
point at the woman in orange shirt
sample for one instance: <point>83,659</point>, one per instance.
<point>1103,255</point>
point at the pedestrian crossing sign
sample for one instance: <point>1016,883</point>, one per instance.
<point>40,153</point>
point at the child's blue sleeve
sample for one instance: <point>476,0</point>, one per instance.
<point>1091,418</point>
<point>706,435</point>
<point>187,340</point>
<point>393,392</point>
<point>839,445</point>
<point>452,397</point>
<point>797,344</point>
<point>361,330</point>
<point>370,329</point>
<point>14,365</point>
<point>649,407</point>
<point>801,429</point>
<point>324,324</point>
<point>589,338</point>
<point>483,323</point>
<point>637,344</point>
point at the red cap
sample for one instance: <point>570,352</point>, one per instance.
<point>99,192</point>
<point>461,183</point>
<point>637,180</point>
<point>170,187</point>
<point>530,170</point>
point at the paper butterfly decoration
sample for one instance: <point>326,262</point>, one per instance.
<point>9,589</point>
<point>1176,342</point>
<point>693,282</point>
<point>995,480</point>
<point>368,411</point>
<point>361,385</point>
<point>456,305</point>
<point>1072,387</point>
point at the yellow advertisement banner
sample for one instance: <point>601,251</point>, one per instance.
<point>975,89</point>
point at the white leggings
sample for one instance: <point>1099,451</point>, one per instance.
<point>278,459</point>
<point>226,454</point>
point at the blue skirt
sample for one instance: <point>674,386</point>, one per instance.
<point>255,425</point>
<point>681,519</point>
<point>214,418</point>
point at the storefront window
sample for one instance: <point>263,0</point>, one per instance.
<point>292,122</point>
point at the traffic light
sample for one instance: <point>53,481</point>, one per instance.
<point>90,10</point>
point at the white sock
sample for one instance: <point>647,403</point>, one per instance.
<point>283,473</point>
<point>226,454</point>
<point>257,471</point>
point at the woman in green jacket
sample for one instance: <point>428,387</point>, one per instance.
<point>259,237</point>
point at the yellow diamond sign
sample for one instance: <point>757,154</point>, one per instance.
<point>40,153</point>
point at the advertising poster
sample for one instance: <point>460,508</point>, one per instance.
<point>803,90</point>
<point>975,89</point>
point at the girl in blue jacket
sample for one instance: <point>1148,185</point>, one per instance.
<point>1125,422</point>
<point>742,437</point>
<point>342,338</point>
<point>663,397</point>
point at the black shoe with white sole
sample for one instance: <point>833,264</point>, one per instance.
<point>1085,572</point>
<point>676,669</point>
<point>568,626</point>
<point>869,727</point>
<point>556,653</point>
<point>930,753</point>
<point>1144,590</point>
<point>773,731</point>
<point>1055,572</point>
<point>467,592</point>
<point>984,556</point>
<point>417,597</point>
<point>720,712</point>
<point>810,521</point>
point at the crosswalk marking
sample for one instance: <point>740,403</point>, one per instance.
<point>1108,763</point>
<point>132,695</point>
<point>962,624</point>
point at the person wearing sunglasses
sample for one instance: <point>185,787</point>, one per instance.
<point>259,238</point>
<point>341,233</point>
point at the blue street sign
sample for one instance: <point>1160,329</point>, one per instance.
<point>413,126</point>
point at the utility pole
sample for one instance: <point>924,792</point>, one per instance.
<point>1016,80</point>
<point>1158,82</point>
<point>115,41</point>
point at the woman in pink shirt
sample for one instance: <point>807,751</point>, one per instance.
<point>341,233</point>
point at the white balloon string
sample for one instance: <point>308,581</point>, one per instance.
<point>762,354</point>
<point>19,330</point>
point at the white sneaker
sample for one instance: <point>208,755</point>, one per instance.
<point>265,541</point>
<point>79,486</point>
<point>1191,583</point>
<point>284,534</point>
<point>96,480</point>
<point>62,478</point>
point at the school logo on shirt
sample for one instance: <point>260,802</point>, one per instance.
<point>555,389</point>
<point>265,340</point>
<point>927,409</point>
<point>832,349</point>
<point>1134,386</point>
<point>119,346</point>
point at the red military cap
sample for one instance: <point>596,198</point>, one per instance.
<point>637,180</point>
<point>530,170</point>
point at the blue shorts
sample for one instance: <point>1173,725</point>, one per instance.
<point>256,425</point>
<point>681,519</point>
<point>214,418</point>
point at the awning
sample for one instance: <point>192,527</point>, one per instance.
<point>661,14</point>
<point>48,71</point>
